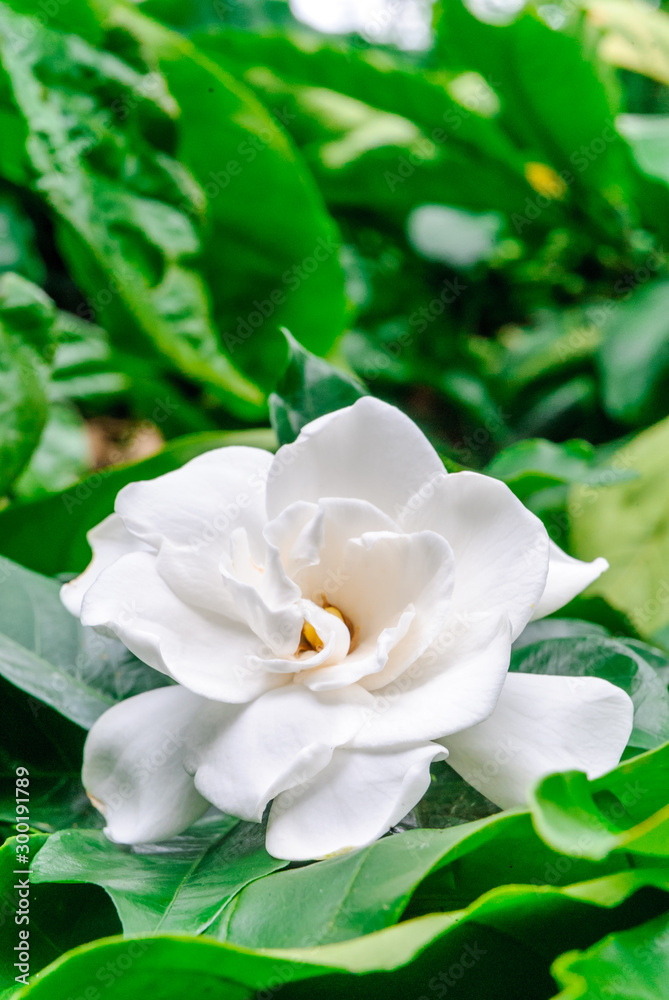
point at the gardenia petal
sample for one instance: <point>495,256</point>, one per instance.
<point>500,547</point>
<point>190,514</point>
<point>209,654</point>
<point>397,596</point>
<point>280,740</point>
<point>453,686</point>
<point>133,766</point>
<point>109,541</point>
<point>542,724</point>
<point>350,803</point>
<point>370,451</point>
<point>567,577</point>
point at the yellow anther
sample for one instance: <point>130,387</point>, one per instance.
<point>336,612</point>
<point>545,180</point>
<point>310,638</point>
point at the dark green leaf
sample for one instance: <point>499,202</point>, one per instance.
<point>179,886</point>
<point>308,388</point>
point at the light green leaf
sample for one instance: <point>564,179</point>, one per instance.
<point>623,811</point>
<point>627,524</point>
<point>628,965</point>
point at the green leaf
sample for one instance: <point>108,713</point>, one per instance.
<point>127,242</point>
<point>493,941</point>
<point>594,654</point>
<point>26,325</point>
<point>634,354</point>
<point>540,75</point>
<point>308,388</point>
<point>529,466</point>
<point>59,917</point>
<point>623,811</point>
<point>179,886</point>
<point>45,651</point>
<point>18,251</point>
<point>66,517</point>
<point>60,459</point>
<point>50,746</point>
<point>627,523</point>
<point>257,281</point>
<point>628,965</point>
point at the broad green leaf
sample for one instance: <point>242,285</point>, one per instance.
<point>66,517</point>
<point>267,262</point>
<point>50,746</point>
<point>627,965</point>
<point>308,388</point>
<point>634,354</point>
<point>623,811</point>
<point>418,872</point>
<point>494,940</point>
<point>128,244</point>
<point>540,75</point>
<point>26,328</point>
<point>627,523</point>
<point>59,917</point>
<point>18,251</point>
<point>596,655</point>
<point>60,459</point>
<point>179,886</point>
<point>648,135</point>
<point>529,466</point>
<point>45,651</point>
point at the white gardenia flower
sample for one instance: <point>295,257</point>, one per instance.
<point>336,617</point>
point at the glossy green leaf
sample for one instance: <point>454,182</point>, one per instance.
<point>628,965</point>
<point>308,388</point>
<point>179,886</point>
<point>58,919</point>
<point>634,354</point>
<point>45,651</point>
<point>625,810</point>
<point>66,517</point>
<point>533,465</point>
<point>128,244</point>
<point>60,459</point>
<point>482,946</point>
<point>264,266</point>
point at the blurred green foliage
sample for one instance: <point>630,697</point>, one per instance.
<point>476,231</point>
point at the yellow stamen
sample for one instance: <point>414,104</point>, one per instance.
<point>310,638</point>
<point>336,612</point>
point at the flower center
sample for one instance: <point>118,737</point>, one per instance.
<point>310,640</point>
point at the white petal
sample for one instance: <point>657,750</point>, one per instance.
<point>133,766</point>
<point>351,803</point>
<point>542,724</point>
<point>203,500</point>
<point>191,513</point>
<point>454,685</point>
<point>281,739</point>
<point>370,451</point>
<point>500,547</point>
<point>109,540</point>
<point>207,653</point>
<point>396,592</point>
<point>567,577</point>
